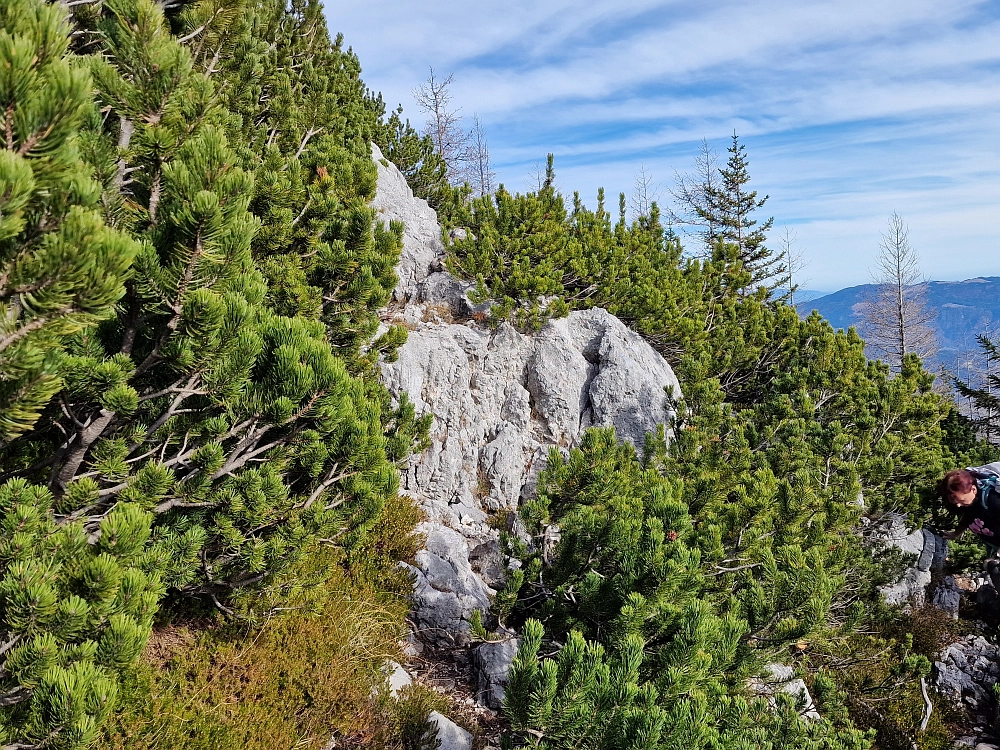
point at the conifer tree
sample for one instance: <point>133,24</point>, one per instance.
<point>580,699</point>
<point>234,423</point>
<point>77,608</point>
<point>730,207</point>
<point>982,393</point>
<point>783,422</point>
<point>61,268</point>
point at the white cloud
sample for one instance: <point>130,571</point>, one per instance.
<point>851,109</point>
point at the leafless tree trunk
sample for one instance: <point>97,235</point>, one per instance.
<point>482,177</point>
<point>896,319</point>
<point>691,195</point>
<point>444,125</point>
<point>794,261</point>
<point>645,192</point>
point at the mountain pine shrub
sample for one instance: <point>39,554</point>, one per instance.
<point>738,543</point>
<point>61,266</point>
<point>192,279</point>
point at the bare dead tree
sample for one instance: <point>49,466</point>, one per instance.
<point>444,124</point>
<point>794,262</point>
<point>896,319</point>
<point>692,202</point>
<point>645,192</point>
<point>482,178</point>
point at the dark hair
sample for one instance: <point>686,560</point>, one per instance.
<point>955,482</point>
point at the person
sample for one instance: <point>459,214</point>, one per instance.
<point>973,494</point>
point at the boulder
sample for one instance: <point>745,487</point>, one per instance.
<point>449,734</point>
<point>930,551</point>
<point>781,679</point>
<point>967,671</point>
<point>422,245</point>
<point>446,293</point>
<point>446,590</point>
<point>491,662</point>
<point>947,596</point>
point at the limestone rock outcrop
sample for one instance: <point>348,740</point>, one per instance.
<point>422,244</point>
<point>930,550</point>
<point>501,400</point>
<point>967,671</point>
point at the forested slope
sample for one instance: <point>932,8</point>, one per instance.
<point>195,434</point>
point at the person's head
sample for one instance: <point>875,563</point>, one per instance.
<point>958,488</point>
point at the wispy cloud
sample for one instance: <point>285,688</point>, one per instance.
<point>850,110</point>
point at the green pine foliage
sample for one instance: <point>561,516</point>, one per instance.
<point>78,606</point>
<point>190,409</point>
<point>61,267</point>
<point>581,699</point>
<point>738,544</point>
<point>209,418</point>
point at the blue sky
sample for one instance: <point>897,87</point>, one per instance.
<point>850,110</point>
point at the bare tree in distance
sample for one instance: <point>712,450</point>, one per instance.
<point>482,178</point>
<point>444,124</point>
<point>645,192</point>
<point>896,319</point>
<point>540,176</point>
<point>691,195</point>
<point>794,262</point>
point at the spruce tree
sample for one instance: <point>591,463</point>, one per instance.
<point>729,208</point>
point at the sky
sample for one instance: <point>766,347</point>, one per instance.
<point>850,110</point>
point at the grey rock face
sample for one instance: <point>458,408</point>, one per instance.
<point>967,671</point>
<point>931,551</point>
<point>422,246</point>
<point>446,590</point>
<point>947,596</point>
<point>492,664</point>
<point>501,400</point>
<point>447,293</point>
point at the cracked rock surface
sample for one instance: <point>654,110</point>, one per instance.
<point>967,671</point>
<point>930,550</point>
<point>501,400</point>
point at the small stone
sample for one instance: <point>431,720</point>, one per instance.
<point>399,678</point>
<point>412,646</point>
<point>449,734</point>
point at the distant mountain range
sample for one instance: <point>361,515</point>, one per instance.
<point>963,309</point>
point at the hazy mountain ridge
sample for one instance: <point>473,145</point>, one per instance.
<point>963,309</point>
